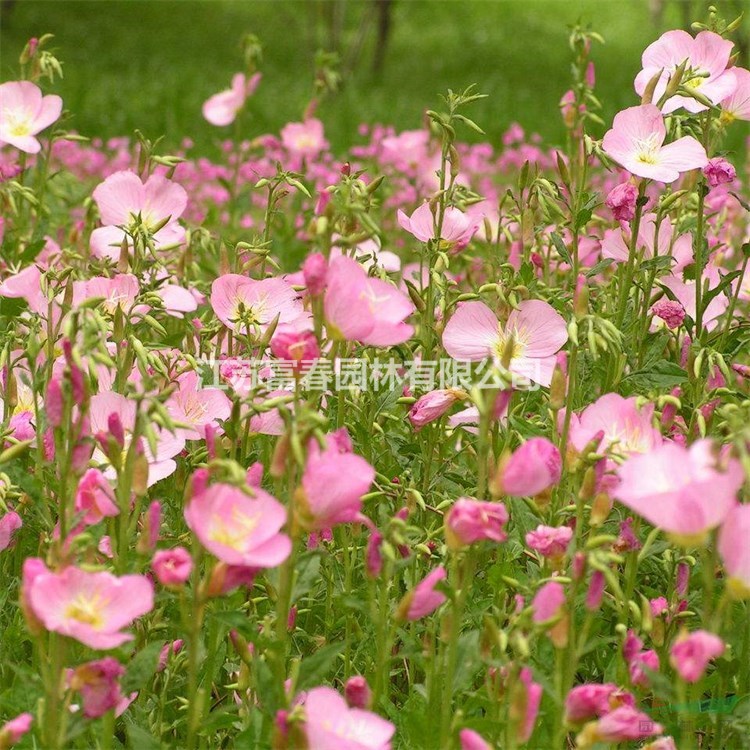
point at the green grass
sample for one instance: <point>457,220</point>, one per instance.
<point>150,64</point>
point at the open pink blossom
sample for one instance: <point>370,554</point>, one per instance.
<point>10,522</point>
<point>172,567</point>
<point>456,231</point>
<point>238,528</point>
<point>118,292</point>
<point>424,598</point>
<point>99,684</point>
<point>24,112</point>
<point>532,468</point>
<point>331,725</point>
<point>636,142</point>
<point>585,702</point>
<point>222,108</point>
<point>550,541</point>
<point>684,292</point>
<point>532,335</point>
<point>93,608</point>
<point>707,57</point>
<point>27,285</point>
<point>250,306</point>
<point>691,653</point>
<point>361,308</point>
<point>432,406</point>
<point>196,408</point>
<point>616,242</point>
<point>304,138</point>
<point>737,105</point>
<point>735,550</point>
<point>469,521</point>
<point>333,484</point>
<point>623,724</point>
<point>685,492</point>
<point>95,498</point>
<point>619,425</point>
<point>123,196</point>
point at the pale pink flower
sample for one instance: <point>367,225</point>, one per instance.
<point>719,171</point>
<point>177,300</point>
<point>471,740</point>
<point>432,406</point>
<point>122,197</point>
<point>594,700</point>
<point>550,541</point>
<point>9,524</point>
<point>90,607</point>
<point>315,273</point>
<point>24,112</point>
<point>304,138</point>
<point>636,142</point>
<point>456,231</point>
<point>118,292</point>
<point>247,305</point>
<point>361,308</point>
<point>196,408</point>
<point>532,335</point>
<point>623,724</point>
<point>737,106</point>
<point>615,243</point>
<point>621,201</point>
<point>300,348</point>
<point>469,521</point>
<point>27,285</point>
<point>12,731</point>
<point>238,528</point>
<point>424,598</point>
<point>691,653</point>
<point>735,550</point>
<point>333,484</point>
<point>222,108</point>
<point>95,498</point>
<point>548,602</point>
<point>685,492</point>
<point>639,663</point>
<point>532,468</point>
<point>99,684</point>
<point>332,725</point>
<point>670,311</point>
<point>619,425</point>
<point>684,292</point>
<point>172,567</point>
<point>707,58</point>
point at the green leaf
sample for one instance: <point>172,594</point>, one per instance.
<point>142,667</point>
<point>557,241</point>
<point>661,374</point>
<point>314,669</point>
<point>140,739</point>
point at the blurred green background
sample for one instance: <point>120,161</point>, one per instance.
<point>150,64</point>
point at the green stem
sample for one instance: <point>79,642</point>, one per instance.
<point>627,274</point>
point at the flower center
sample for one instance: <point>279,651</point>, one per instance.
<point>86,609</point>
<point>233,533</point>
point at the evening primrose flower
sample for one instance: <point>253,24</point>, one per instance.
<point>456,231</point>
<point>222,108</point>
<point>24,112</point>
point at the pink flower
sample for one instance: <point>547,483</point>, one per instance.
<point>122,197</point>
<point>118,292</point>
<point>619,425</point>
<point>237,528</point>
<point>471,740</point>
<point>249,306</point>
<point>297,347</point>
<point>670,311</point>
<point>24,112</point>
<point>548,602</point>
<point>532,468</point>
<point>685,492</point>
<point>357,692</point>
<point>529,696</point>
<point>90,607</point>
<point>621,201</point>
<point>332,725</point>
<point>95,497</point>
<point>9,524</point>
<point>532,335</point>
<point>636,141</point>
<point>432,406</point>
<point>456,231</point>
<point>98,683</point>
<point>172,567</point>
<point>737,106</point>
<point>361,308</point>
<point>719,171</point>
<point>333,484</point>
<point>196,408</point>
<point>639,663</point>
<point>315,273</point>
<point>304,138</point>
<point>692,652</point>
<point>424,598</point>
<point>588,701</point>
<point>222,108</point>
<point>707,58</point>
<point>12,731</point>
<point>550,541</point>
<point>469,521</point>
<point>735,551</point>
<point>623,724</point>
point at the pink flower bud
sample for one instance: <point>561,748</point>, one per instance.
<point>12,731</point>
<point>315,273</point>
<point>621,201</point>
<point>98,683</point>
<point>172,567</point>
<point>682,579</point>
<point>357,692</point>
<point>373,557</point>
<point>54,403</point>
<point>533,468</point>
<point>470,521</point>
<point>297,347</point>
<point>471,740</point>
<point>548,602</point>
<point>691,653</point>
<point>432,406</point>
<point>670,311</point>
<point>719,171</point>
<point>596,591</point>
<point>116,429</point>
<point>95,498</point>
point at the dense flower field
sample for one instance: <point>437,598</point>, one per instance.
<point>429,445</point>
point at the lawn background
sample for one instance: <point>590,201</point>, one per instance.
<point>150,64</point>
